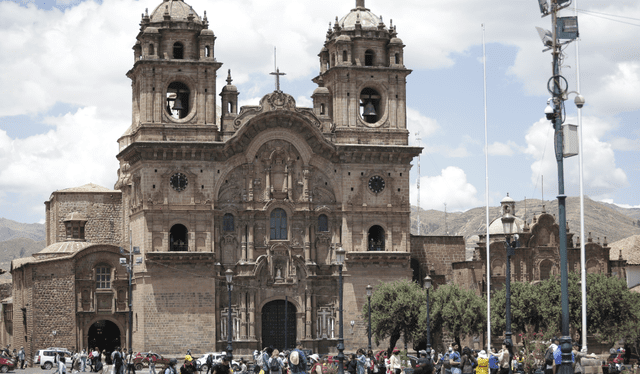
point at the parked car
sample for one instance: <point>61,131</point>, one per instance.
<point>6,364</point>
<point>46,357</point>
<point>142,360</point>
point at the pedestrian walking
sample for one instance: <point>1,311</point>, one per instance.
<point>394,362</point>
<point>151,358</point>
<point>83,359</point>
<point>297,360</point>
<point>361,361</point>
<point>21,357</point>
<point>275,363</point>
<point>171,368</point>
<point>483,363</point>
<point>494,362</point>
<point>467,361</point>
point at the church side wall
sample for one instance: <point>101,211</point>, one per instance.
<point>356,278</point>
<point>103,211</point>
<point>23,298</point>
<point>438,253</point>
<point>53,302</point>
<point>175,313</point>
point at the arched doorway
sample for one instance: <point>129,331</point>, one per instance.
<point>273,319</point>
<point>105,335</point>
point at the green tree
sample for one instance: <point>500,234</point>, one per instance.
<point>395,308</point>
<point>524,309</point>
<point>458,311</point>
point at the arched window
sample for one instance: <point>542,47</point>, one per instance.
<point>344,56</point>
<point>278,224</point>
<point>333,59</point>
<point>397,58</point>
<point>323,223</point>
<point>207,51</point>
<point>497,268</point>
<point>178,238</point>
<point>103,277</point>
<point>368,58</point>
<point>178,100</point>
<point>227,223</point>
<point>321,108</point>
<point>178,51</point>
<point>376,238</point>
<point>152,50</point>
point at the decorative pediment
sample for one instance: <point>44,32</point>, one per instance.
<point>275,101</point>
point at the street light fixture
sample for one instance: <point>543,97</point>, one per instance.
<point>340,253</point>
<point>229,275</point>
<point>369,293</point>
<point>427,286</point>
<point>507,225</point>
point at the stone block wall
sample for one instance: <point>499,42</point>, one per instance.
<point>170,313</point>
<point>103,211</point>
<point>437,254</point>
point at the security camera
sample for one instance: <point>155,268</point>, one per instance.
<point>579,101</point>
<point>548,111</point>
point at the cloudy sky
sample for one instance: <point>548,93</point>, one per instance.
<point>65,97</point>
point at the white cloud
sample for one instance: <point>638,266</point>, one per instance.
<point>503,149</point>
<point>68,155</point>
<point>420,125</point>
<point>601,175</point>
<point>450,187</point>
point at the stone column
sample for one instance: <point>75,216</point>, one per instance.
<point>289,181</point>
<point>250,243</point>
<point>308,320</point>
<point>267,187</point>
<point>312,244</point>
<point>243,246</point>
<point>307,244</point>
<point>243,316</point>
<point>306,173</point>
<point>252,315</point>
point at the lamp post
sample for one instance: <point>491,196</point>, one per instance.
<point>507,225</point>
<point>229,275</point>
<point>369,293</point>
<point>563,28</point>
<point>340,252</point>
<point>427,286</point>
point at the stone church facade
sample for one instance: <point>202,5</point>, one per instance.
<point>269,192</point>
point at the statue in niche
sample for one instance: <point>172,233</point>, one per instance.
<point>278,273</point>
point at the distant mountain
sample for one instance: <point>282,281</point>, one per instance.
<point>11,229</point>
<point>602,220</point>
<point>17,248</point>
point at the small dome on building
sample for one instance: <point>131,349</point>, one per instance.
<point>507,199</point>
<point>178,10</point>
<point>321,91</point>
<point>343,38</point>
<point>396,41</point>
<point>62,249</point>
<point>362,15</point>
<point>496,228</point>
<point>206,32</point>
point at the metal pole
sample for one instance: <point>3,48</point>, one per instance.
<point>341,337</point>
<point>565,340</point>
<point>583,269</point>
<point>230,326</point>
<point>130,271</point>
<point>507,335</point>
<point>286,320</point>
<point>428,328</point>
<point>369,297</point>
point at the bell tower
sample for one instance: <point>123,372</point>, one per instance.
<point>174,76</point>
<point>362,70</point>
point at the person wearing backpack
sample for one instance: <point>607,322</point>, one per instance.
<point>275,363</point>
<point>297,360</point>
<point>118,361</point>
<point>548,359</point>
<point>171,369</point>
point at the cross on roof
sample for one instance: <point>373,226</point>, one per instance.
<point>277,73</point>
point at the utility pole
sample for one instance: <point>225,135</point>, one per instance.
<point>562,28</point>
<point>418,140</point>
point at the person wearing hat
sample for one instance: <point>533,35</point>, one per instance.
<point>316,366</point>
<point>483,363</point>
<point>188,367</point>
<point>297,360</point>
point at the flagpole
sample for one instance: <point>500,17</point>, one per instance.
<point>583,272</point>
<point>486,165</point>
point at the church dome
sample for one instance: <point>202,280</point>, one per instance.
<point>507,199</point>
<point>395,41</point>
<point>151,30</point>
<point>62,249</point>
<point>360,14</point>
<point>496,227</point>
<point>178,10</point>
<point>206,32</point>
